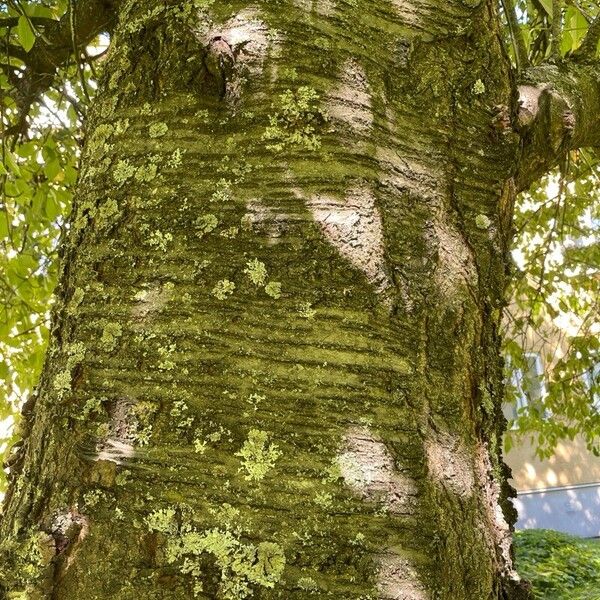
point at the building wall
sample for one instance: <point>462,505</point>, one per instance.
<point>562,492</point>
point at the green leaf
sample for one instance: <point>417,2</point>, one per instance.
<point>52,169</point>
<point>11,163</point>
<point>3,226</point>
<point>37,10</point>
<point>52,208</point>
<point>25,33</point>
<point>547,4</point>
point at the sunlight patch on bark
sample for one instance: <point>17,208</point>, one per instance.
<point>353,226</point>
<point>150,301</point>
<point>350,101</point>
<point>368,468</point>
<point>409,11</point>
<point>263,219</point>
<point>69,529</point>
<point>455,266</point>
<point>405,173</point>
<point>499,528</point>
<point>324,8</point>
<point>529,97</point>
<point>449,463</point>
<point>115,451</point>
<point>397,579</point>
<point>249,39</point>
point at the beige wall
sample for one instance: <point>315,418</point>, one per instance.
<point>571,464</point>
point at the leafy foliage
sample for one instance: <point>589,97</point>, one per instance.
<point>559,566</point>
<point>40,148</point>
<point>555,288</point>
<point>554,312</point>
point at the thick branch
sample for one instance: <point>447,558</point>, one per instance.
<point>556,28</point>
<point>589,46</point>
<point>516,34</point>
<point>49,53</point>
<point>559,111</point>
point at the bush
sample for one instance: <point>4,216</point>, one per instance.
<point>559,566</point>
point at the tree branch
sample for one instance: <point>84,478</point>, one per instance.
<point>516,34</point>
<point>589,46</point>
<point>559,112</point>
<point>58,43</point>
<point>37,21</point>
<point>556,28</point>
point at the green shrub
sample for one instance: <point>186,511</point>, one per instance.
<point>559,566</point>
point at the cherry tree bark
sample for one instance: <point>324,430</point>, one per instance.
<point>274,368</point>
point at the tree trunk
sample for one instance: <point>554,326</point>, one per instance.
<point>274,369</point>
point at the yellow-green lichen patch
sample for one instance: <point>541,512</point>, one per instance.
<point>295,121</point>
<point>256,271</point>
<point>123,171</point>
<point>91,406</point>
<point>200,445</point>
<point>157,130</point>
<point>106,213</point>
<point>143,415</point>
<point>75,301</point>
<point>176,159</point>
<point>165,353</point>
<point>62,382</point>
<point>273,289</point>
<point>205,224</point>
<point>93,498</point>
<point>258,456</point>
<point>242,565</point>
<point>25,561</point>
<point>180,412</point>
<point>110,334</point>
<point>308,584</point>
<point>146,109</point>
<point>482,222</point>
<point>121,126</point>
<point>146,172</point>
<point>306,311</point>
<point>162,520</point>
<point>230,232</point>
<point>223,289</point>
<point>222,191</point>
<point>76,353</point>
<point>478,87</point>
<point>158,239</point>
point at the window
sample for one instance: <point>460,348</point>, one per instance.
<point>529,386</point>
<point>591,381</point>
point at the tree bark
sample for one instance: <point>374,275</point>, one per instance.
<point>274,368</point>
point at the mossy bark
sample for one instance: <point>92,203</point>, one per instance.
<point>274,369</point>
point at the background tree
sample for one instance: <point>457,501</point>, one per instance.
<point>275,359</point>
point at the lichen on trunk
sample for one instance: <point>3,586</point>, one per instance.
<point>274,369</point>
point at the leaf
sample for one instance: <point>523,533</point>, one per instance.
<point>25,33</point>
<point>3,226</point>
<point>37,10</point>
<point>52,207</point>
<point>52,169</point>
<point>547,4</point>
<point>10,162</point>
